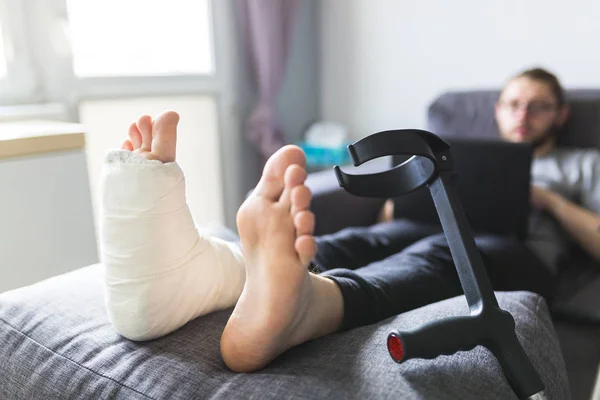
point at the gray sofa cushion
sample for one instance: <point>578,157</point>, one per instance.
<point>58,344</point>
<point>470,114</point>
<point>464,114</point>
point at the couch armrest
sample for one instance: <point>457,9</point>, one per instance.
<point>334,208</point>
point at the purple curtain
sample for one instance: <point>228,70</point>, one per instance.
<point>267,26</point>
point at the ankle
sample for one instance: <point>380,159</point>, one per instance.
<point>327,307</point>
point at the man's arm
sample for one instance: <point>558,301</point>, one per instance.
<point>583,225</point>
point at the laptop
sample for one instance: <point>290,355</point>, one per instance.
<point>493,183</point>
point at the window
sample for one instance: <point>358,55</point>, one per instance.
<point>67,51</point>
<point>142,39</point>
<point>2,56</point>
<point>123,53</point>
<point>81,60</point>
<point>16,75</point>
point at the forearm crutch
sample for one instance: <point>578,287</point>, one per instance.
<point>487,325</point>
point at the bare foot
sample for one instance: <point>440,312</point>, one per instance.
<point>282,304</point>
<point>154,140</point>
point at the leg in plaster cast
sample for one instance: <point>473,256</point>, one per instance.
<point>160,272</point>
<point>282,304</point>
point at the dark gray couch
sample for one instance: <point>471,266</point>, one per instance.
<point>57,343</point>
<point>470,114</point>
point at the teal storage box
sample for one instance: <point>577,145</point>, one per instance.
<point>317,156</point>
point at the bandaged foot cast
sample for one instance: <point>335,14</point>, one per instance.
<point>160,272</point>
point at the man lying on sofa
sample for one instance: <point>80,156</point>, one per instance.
<point>288,286</point>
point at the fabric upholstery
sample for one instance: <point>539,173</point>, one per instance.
<point>58,344</point>
<point>470,114</point>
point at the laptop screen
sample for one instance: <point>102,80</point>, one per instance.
<point>493,184</point>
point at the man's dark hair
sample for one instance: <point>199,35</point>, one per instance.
<point>548,78</point>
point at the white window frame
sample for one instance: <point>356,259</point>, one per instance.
<point>20,84</point>
<point>41,78</point>
<point>42,69</point>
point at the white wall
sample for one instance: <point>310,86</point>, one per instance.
<point>383,61</point>
<point>46,223</point>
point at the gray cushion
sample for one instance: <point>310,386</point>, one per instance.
<point>464,114</point>
<point>58,344</point>
<point>579,294</point>
<point>470,114</point>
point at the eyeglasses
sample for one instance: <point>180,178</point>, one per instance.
<point>534,108</point>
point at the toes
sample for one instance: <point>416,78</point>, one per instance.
<point>301,198</point>
<point>166,119</point>
<point>135,136</point>
<point>144,126</point>
<point>164,134</point>
<point>295,175</point>
<point>272,181</point>
<point>306,248</point>
<point>304,222</point>
<point>127,145</point>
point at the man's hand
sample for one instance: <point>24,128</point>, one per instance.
<point>583,225</point>
<point>544,199</point>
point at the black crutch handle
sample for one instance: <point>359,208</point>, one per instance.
<point>442,337</point>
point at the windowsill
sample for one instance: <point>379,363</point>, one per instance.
<point>28,112</point>
<point>22,138</point>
